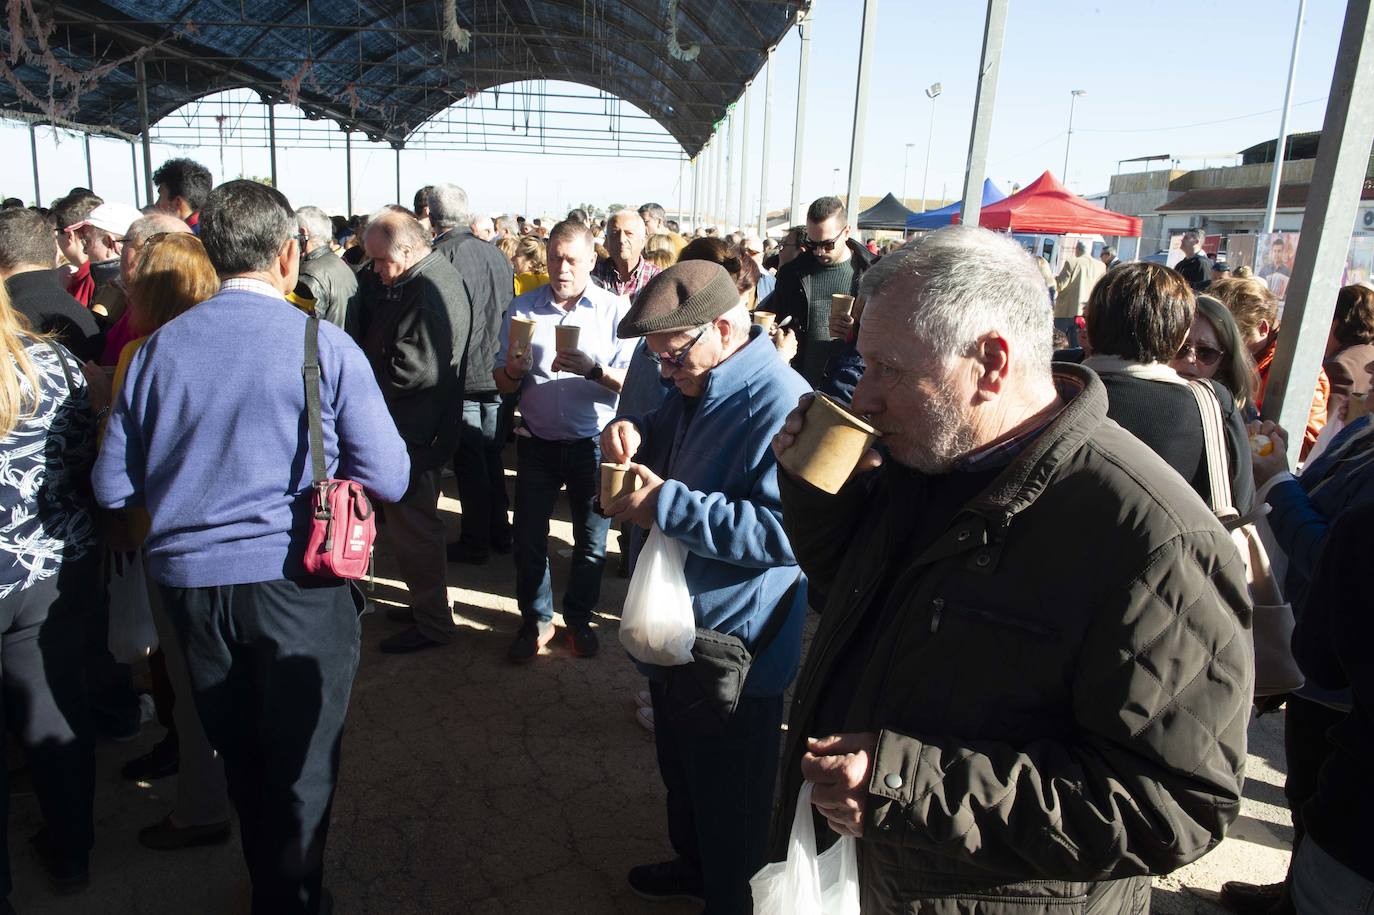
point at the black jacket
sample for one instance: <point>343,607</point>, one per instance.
<point>792,295</point>
<point>415,335</point>
<point>39,296</point>
<point>1165,417</point>
<point>490,284</point>
<point>333,285</point>
<point>1197,270</point>
<point>1040,748</point>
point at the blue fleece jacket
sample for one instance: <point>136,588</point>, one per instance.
<point>720,499</point>
<point>209,433</point>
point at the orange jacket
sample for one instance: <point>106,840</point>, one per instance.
<point>1316,416</point>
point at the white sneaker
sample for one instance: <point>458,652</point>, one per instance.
<point>645,717</point>
<point>643,699</point>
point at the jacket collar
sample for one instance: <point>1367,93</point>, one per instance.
<point>418,268</point>
<point>751,359</point>
<point>1017,487</point>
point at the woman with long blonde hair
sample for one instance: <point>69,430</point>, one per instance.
<point>48,575</point>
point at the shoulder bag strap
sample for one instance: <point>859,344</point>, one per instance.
<point>311,372</point>
<point>62,362</point>
<point>1214,443</point>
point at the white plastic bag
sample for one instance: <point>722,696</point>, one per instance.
<point>658,625</point>
<point>807,883</point>
<point>132,633</point>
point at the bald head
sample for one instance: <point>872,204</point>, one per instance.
<point>396,241</point>
<point>138,235</point>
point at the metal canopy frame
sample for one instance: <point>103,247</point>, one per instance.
<point>385,68</point>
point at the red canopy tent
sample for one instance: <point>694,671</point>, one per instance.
<point>1047,207</point>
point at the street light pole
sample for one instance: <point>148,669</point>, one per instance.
<point>906,163</point>
<point>932,92</point>
<point>1073,97</point>
<point>1276,177</point>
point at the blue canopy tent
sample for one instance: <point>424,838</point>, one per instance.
<point>934,219</point>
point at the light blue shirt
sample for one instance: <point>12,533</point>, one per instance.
<point>562,406</point>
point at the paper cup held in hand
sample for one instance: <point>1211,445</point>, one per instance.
<point>841,304</point>
<point>829,445</point>
<point>521,333</point>
<point>765,320</point>
<point>858,310</point>
<point>566,335</point>
<point>617,480</point>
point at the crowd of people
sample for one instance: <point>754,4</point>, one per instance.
<point>995,741</point>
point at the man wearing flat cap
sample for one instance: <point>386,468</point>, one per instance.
<point>709,481</point>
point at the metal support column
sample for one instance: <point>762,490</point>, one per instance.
<point>794,209</point>
<point>988,70</point>
<point>729,181</point>
<point>33,152</point>
<point>90,175</point>
<point>767,133</point>
<point>1332,201</point>
<point>713,202</point>
<point>272,138</point>
<point>854,201</point>
<point>399,198</point>
<point>744,165</point>
<point>1271,209</point>
<point>348,169</point>
<point>133,166</point>
<point>696,196</point>
<point>143,129</point>
<point>681,189</point>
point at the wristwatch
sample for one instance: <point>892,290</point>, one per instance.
<point>596,373</point>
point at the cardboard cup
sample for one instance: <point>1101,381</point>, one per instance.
<point>841,304</point>
<point>765,320</point>
<point>829,446</point>
<point>566,335</point>
<point>858,311</point>
<point>616,480</point>
<point>521,333</point>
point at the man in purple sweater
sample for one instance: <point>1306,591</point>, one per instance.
<point>209,435</point>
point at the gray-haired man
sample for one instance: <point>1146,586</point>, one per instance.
<point>477,467</point>
<point>986,735</point>
<point>413,327</point>
<point>329,281</point>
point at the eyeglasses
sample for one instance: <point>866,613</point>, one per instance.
<point>677,359</point>
<point>809,244</point>
<point>1205,355</point>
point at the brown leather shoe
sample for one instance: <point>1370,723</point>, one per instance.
<point>167,836</point>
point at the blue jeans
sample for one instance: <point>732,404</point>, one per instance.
<point>542,468</point>
<point>1324,886</point>
<point>481,477</point>
<point>720,792</point>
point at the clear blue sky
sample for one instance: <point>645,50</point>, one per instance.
<point>1201,80</point>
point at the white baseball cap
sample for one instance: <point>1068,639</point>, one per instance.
<point>115,218</point>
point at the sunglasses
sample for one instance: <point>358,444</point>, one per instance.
<point>808,244</point>
<point>1205,355</point>
<point>677,359</point>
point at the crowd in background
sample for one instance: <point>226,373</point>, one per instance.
<point>156,480</point>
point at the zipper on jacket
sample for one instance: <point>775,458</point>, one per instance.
<point>938,605</point>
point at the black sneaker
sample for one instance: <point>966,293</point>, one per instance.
<point>528,641</point>
<point>669,881</point>
<point>161,761</point>
<point>1250,898</point>
<point>468,555</point>
<point>69,872</point>
<point>582,640</point>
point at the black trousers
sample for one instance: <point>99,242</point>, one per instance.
<point>1307,747</point>
<point>271,667</point>
<point>42,648</point>
<point>720,793</point>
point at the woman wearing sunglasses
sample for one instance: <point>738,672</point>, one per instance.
<point>1215,350</point>
<point>1140,315</point>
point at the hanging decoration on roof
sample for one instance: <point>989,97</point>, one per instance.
<point>292,85</point>
<point>461,37</point>
<point>29,36</point>
<point>675,49</point>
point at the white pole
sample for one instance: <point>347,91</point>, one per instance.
<point>743,161</point>
<point>767,133</point>
<point>854,201</point>
<point>1271,209</point>
<point>794,211</point>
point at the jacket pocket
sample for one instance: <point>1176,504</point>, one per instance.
<point>1000,619</point>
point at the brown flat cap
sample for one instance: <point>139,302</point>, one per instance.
<point>684,296</point>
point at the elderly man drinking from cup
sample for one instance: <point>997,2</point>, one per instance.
<point>709,482</point>
<point>990,737</point>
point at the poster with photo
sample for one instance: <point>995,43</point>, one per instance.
<point>1359,260</point>
<point>1274,260</point>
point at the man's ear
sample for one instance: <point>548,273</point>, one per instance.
<point>993,355</point>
